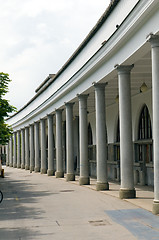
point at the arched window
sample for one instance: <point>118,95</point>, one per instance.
<point>117,144</point>
<point>145,131</point>
<point>90,143</point>
<point>90,138</point>
<point>144,149</point>
<point>118,131</point>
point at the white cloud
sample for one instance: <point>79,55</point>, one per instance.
<point>38,36</point>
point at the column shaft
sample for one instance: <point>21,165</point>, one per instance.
<point>23,149</point>
<point>18,150</point>
<point>7,154</point>
<point>27,164</point>
<point>37,147</point>
<point>126,147</point>
<point>154,40</point>
<point>50,170</point>
<point>69,142</point>
<point>11,151</point>
<point>59,157</point>
<point>43,146</point>
<point>83,129</point>
<point>102,181</point>
<point>31,147</point>
<point>15,150</point>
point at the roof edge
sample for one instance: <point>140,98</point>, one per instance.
<point>98,25</point>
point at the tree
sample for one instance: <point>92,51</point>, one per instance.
<point>5,109</point>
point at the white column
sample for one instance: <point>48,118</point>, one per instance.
<point>43,146</point>
<point>83,132</point>
<point>31,148</point>
<point>3,149</point>
<point>18,150</point>
<point>37,147</point>
<point>23,149</point>
<point>70,176</point>
<point>126,147</point>
<point>64,145</point>
<point>27,164</point>
<point>7,154</point>
<point>15,150</point>
<point>11,151</point>
<point>50,170</point>
<point>154,40</point>
<point>102,178</point>
<point>59,156</point>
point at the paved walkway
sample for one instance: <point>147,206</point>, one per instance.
<point>36,206</point>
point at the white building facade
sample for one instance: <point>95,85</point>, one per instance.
<point>99,115</point>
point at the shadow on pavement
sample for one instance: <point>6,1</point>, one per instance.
<point>16,196</point>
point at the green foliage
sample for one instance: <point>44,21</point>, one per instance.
<point>5,109</point>
<point>5,132</point>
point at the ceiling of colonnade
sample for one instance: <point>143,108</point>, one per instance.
<point>141,73</point>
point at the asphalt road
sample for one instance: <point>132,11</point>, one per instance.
<point>36,206</point>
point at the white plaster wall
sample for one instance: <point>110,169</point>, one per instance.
<point>112,114</point>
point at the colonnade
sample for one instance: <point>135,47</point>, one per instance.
<point>31,139</point>
<point>127,189</point>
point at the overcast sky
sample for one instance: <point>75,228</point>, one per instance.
<point>38,36</point>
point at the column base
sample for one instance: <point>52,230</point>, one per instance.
<point>22,166</point>
<point>84,181</point>
<point>43,171</point>
<point>102,186</point>
<point>27,167</point>
<point>70,177</point>
<point>59,174</point>
<point>7,164</point>
<point>37,169</point>
<point>14,165</point>
<point>127,193</point>
<point>50,172</point>
<point>155,208</point>
<point>11,164</point>
<point>18,165</point>
<point>31,168</point>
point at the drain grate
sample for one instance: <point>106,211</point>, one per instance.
<point>99,222</point>
<point>67,190</point>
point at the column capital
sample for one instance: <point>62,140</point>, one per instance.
<point>153,39</point>
<point>50,115</point>
<point>31,126</point>
<point>69,104</point>
<point>36,122</point>
<point>42,119</point>
<point>59,110</point>
<point>99,85</point>
<point>82,96</point>
<point>124,69</point>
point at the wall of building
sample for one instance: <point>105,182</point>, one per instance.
<point>112,113</point>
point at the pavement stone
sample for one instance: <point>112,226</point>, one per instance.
<point>36,206</point>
